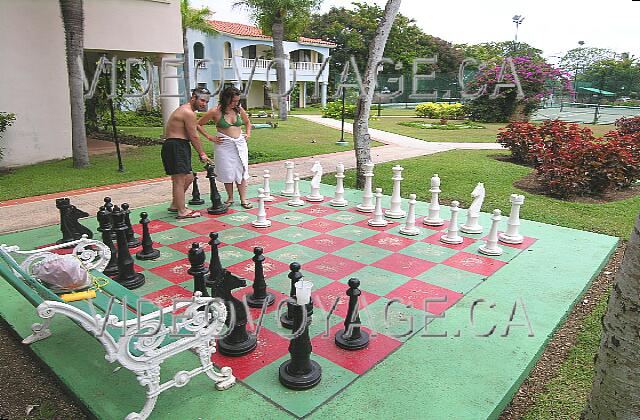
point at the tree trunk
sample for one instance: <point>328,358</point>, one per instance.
<point>281,71</point>
<point>186,66</point>
<point>616,386</point>
<point>73,21</point>
<point>361,138</point>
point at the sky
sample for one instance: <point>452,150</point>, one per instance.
<point>554,26</point>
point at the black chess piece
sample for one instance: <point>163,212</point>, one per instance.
<point>69,225</point>
<point>195,192</point>
<point>300,372</point>
<point>147,252</point>
<point>260,295</point>
<point>127,276</point>
<point>216,272</point>
<point>237,341</point>
<point>351,337</point>
<point>132,241</point>
<point>286,319</point>
<point>217,206</point>
<point>198,270</point>
<point>108,206</point>
<point>105,228</point>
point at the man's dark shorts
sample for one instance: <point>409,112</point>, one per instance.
<point>176,156</point>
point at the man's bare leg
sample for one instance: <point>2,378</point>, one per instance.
<point>228,187</point>
<point>178,183</point>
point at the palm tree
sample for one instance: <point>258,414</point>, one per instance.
<point>195,19</point>
<point>73,21</point>
<point>280,19</point>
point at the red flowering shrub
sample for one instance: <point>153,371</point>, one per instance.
<point>628,125</point>
<point>520,138</point>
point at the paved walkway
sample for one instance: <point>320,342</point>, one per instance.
<point>31,212</point>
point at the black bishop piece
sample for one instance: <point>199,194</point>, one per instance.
<point>127,276</point>
<point>217,206</point>
<point>351,337</point>
<point>198,270</point>
<point>147,252</point>
<point>195,192</point>
<point>260,295</point>
<point>216,272</point>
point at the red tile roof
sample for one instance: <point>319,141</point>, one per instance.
<point>240,29</point>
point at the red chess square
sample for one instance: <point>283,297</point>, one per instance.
<point>175,272</point>
<point>474,263</point>
<point>254,313</point>
<point>246,268</point>
<point>184,246</point>
<point>326,296</point>
<point>61,251</point>
<point>213,216</point>
<point>321,225</point>
<point>326,243</point>
<point>415,292</point>
<point>390,225</point>
<point>435,240</point>
<point>270,210</point>
<point>207,226</point>
<point>333,267</point>
<point>318,211</point>
<point>420,220</point>
<point>275,225</point>
<point>276,199</point>
<point>404,264</point>
<point>268,243</point>
<point>380,346</point>
<point>526,243</point>
<point>388,241</point>
<point>165,297</point>
<point>155,226</point>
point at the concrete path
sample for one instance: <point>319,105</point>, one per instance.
<point>31,212</point>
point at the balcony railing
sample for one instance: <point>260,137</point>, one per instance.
<point>228,63</point>
<point>199,64</point>
<point>304,65</point>
<point>260,63</point>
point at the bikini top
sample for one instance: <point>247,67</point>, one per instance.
<point>222,123</point>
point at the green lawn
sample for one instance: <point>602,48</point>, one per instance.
<point>384,112</point>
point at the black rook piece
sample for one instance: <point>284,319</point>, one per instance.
<point>216,272</point>
<point>351,337</point>
<point>217,206</point>
<point>300,372</point>
<point>198,270</point>
<point>132,241</point>
<point>260,294</point>
<point>147,252</point>
<point>126,273</point>
<point>105,228</point>
<point>69,226</point>
<point>195,192</point>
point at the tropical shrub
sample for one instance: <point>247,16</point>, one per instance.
<point>6,120</point>
<point>441,110</point>
<point>628,125</point>
<point>334,110</point>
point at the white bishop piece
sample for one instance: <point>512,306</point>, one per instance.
<point>261,221</point>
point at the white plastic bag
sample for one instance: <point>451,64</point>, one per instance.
<point>63,273</point>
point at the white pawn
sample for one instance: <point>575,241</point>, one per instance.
<point>452,237</point>
<point>410,227</point>
<point>261,221</point>
<point>395,211</point>
<point>288,179</point>
<point>511,236</point>
<point>433,218</point>
<point>265,186</point>
<point>378,217</point>
<point>338,200</point>
<point>491,247</point>
<point>296,201</point>
<point>367,195</point>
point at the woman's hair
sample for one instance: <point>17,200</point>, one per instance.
<point>226,96</point>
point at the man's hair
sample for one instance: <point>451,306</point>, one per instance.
<point>200,91</point>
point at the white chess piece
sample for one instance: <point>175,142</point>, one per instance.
<point>261,221</point>
<point>410,227</point>
<point>288,179</point>
<point>295,199</point>
<point>315,183</point>
<point>367,195</point>
<point>395,211</point>
<point>265,186</point>
<point>378,217</point>
<point>473,214</point>
<point>338,200</point>
<point>433,218</point>
<point>452,237</point>
<point>511,236</point>
<point>491,247</point>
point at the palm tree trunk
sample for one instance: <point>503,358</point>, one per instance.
<point>281,72</point>
<point>616,386</point>
<point>73,21</point>
<point>361,138</point>
<point>186,66</point>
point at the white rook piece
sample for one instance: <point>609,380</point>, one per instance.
<point>315,183</point>
<point>452,237</point>
<point>491,247</point>
<point>295,200</point>
<point>288,179</point>
<point>395,211</point>
<point>367,195</point>
<point>433,218</point>
<point>410,227</point>
<point>338,200</point>
<point>511,236</point>
<point>378,217</point>
<point>472,225</point>
<point>261,221</point>
<point>265,186</point>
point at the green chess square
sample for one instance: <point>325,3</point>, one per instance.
<point>172,236</point>
<point>363,253</point>
<point>429,252</point>
<point>292,218</point>
<point>451,278</point>
<point>376,280</point>
<point>236,219</point>
<point>235,235</point>
<point>392,318</point>
<point>167,255</point>
<point>354,233</point>
<point>347,217</point>
<point>294,234</point>
<point>296,252</point>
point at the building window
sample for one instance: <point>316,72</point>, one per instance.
<point>198,51</point>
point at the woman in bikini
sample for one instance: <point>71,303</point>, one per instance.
<point>229,144</point>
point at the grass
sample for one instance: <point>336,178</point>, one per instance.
<point>384,112</point>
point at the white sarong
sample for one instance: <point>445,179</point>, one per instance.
<point>231,158</point>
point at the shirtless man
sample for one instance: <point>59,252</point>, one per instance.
<point>176,150</point>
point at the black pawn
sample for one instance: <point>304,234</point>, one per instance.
<point>286,319</point>
<point>108,206</point>
<point>147,252</point>
<point>127,276</point>
<point>260,294</point>
<point>352,338</point>
<point>198,270</point>
<point>105,228</point>
<point>195,192</point>
<point>132,241</point>
<point>217,206</point>
<point>300,372</point>
<point>216,272</point>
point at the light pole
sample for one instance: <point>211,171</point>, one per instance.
<point>107,70</point>
<point>575,77</point>
<point>517,19</point>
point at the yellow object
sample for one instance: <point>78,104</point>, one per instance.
<point>72,297</point>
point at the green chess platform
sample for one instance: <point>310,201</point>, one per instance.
<point>453,332</point>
